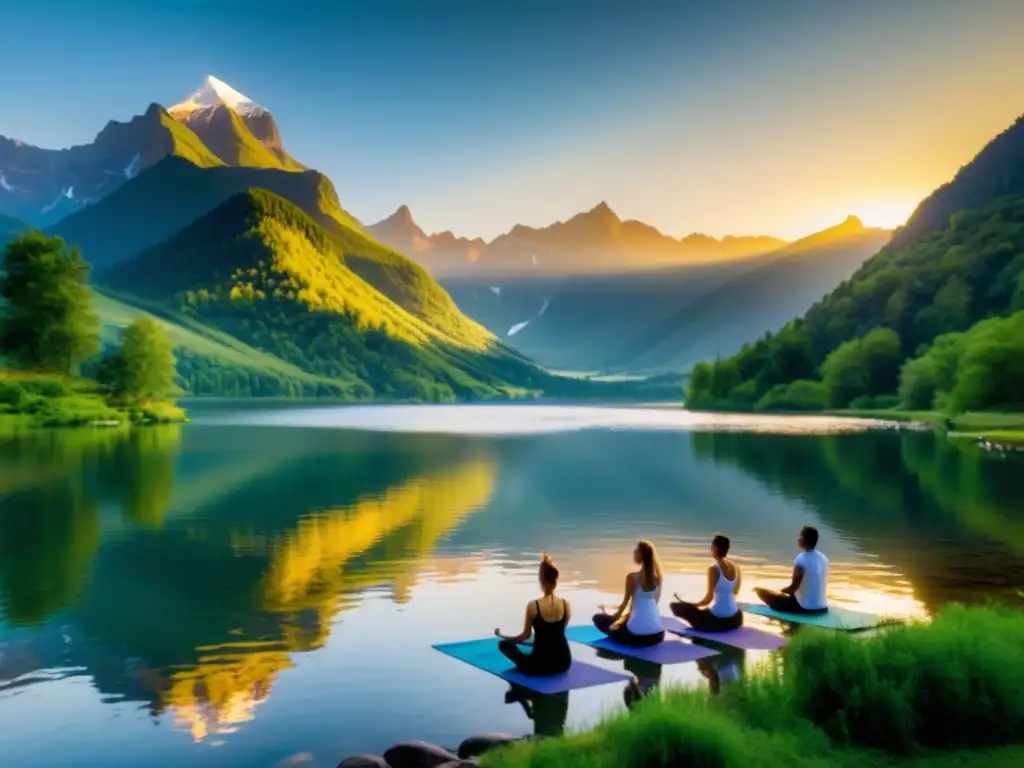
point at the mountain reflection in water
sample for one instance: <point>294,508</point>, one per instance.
<point>211,574</point>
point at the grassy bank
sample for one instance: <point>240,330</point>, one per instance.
<point>945,693</point>
<point>999,428</point>
<point>37,401</point>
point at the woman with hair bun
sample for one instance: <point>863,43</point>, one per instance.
<point>546,619</point>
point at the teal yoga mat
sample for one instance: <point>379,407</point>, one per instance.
<point>484,655</point>
<point>836,618</point>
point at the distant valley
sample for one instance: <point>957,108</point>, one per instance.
<point>652,321</point>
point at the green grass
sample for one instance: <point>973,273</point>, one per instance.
<point>30,401</point>
<point>1000,428</point>
<point>923,694</point>
<point>118,311</point>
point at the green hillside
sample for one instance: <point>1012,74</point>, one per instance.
<point>857,340</point>
<point>210,362</point>
<point>261,270</point>
<point>173,193</point>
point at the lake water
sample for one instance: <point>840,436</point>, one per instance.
<point>262,587</point>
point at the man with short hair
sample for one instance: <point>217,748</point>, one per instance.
<point>806,592</point>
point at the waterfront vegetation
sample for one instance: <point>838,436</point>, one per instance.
<point>934,323</point>
<point>53,372</point>
<point>941,693</point>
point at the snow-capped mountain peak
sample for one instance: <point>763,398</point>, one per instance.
<point>214,92</point>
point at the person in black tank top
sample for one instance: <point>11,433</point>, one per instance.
<point>546,619</point>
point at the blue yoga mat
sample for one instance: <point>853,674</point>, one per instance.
<point>671,650</point>
<point>836,618</point>
<point>747,638</point>
<point>484,654</point>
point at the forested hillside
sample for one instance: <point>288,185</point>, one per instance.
<point>852,346</point>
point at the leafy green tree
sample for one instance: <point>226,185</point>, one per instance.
<point>148,361</point>
<point>864,367</point>
<point>48,322</point>
<point>882,358</point>
<point>698,388</point>
<point>143,367</point>
<point>844,374</point>
<point>991,370</point>
<point>925,378</point>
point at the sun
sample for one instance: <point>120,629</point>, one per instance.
<point>887,214</point>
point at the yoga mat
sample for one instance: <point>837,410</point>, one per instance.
<point>836,618</point>
<point>484,654</point>
<point>671,650</point>
<point>747,638</point>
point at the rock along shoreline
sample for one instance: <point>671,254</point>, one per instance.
<point>423,754</point>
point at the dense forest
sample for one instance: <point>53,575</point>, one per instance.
<point>883,336</point>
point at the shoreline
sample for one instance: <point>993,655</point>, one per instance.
<point>789,714</point>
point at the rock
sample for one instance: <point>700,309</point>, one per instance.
<point>418,754</point>
<point>363,761</point>
<point>479,743</point>
<point>461,764</point>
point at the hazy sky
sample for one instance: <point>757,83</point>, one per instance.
<point>727,117</point>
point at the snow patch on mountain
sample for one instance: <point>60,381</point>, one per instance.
<point>132,169</point>
<point>215,92</point>
<point>5,184</point>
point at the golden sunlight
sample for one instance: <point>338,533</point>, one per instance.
<point>887,214</point>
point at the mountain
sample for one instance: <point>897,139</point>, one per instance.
<point>996,171</point>
<point>630,322</point>
<point>594,241</point>
<point>948,269</point>
<point>235,128</point>
<point>755,302</point>
<point>9,228</point>
<point>214,126</point>
<point>42,186</point>
<point>175,192</point>
<point>264,272</point>
<point>441,253</point>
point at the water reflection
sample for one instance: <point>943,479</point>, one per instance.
<point>204,573</point>
<point>937,510</point>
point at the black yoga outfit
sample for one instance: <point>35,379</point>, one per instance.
<point>550,655</point>
<point>704,620</point>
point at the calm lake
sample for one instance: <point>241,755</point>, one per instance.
<point>261,587</point>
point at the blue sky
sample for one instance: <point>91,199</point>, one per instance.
<point>726,117</point>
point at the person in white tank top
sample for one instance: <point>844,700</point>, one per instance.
<point>718,611</point>
<point>808,589</point>
<point>637,620</point>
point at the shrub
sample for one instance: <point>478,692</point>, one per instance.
<point>801,395</point>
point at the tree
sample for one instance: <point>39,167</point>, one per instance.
<point>143,368</point>
<point>882,359</point>
<point>991,369</point>
<point>844,374</point>
<point>49,322</point>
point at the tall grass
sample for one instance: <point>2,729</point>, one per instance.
<point>833,698</point>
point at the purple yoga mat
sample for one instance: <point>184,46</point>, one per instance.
<point>747,638</point>
<point>671,650</point>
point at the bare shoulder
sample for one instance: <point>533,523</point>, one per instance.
<point>531,607</point>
